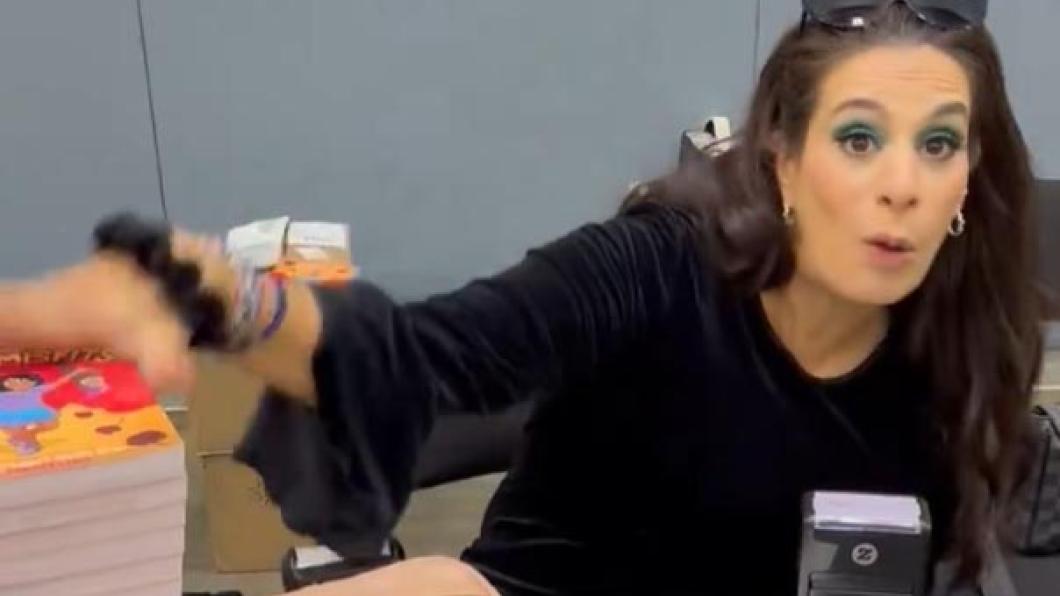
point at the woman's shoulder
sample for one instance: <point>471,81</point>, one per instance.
<point>666,217</point>
<point>649,237</point>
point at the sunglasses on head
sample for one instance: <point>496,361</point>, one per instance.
<point>855,14</point>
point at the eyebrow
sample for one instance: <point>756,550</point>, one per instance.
<point>946,109</point>
<point>862,103</point>
<point>954,107</point>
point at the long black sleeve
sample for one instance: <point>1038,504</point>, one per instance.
<point>384,370</point>
<point>557,314</point>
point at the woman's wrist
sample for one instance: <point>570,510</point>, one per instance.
<point>257,308</point>
<point>283,358</point>
<point>273,307</point>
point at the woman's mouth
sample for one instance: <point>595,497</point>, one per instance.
<point>889,252</point>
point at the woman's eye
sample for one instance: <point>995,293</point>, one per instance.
<point>857,139</point>
<point>859,143</point>
<point>940,147</point>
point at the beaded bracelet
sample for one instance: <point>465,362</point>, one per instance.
<point>248,303</point>
<point>279,309</point>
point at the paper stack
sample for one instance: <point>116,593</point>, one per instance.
<point>92,481</point>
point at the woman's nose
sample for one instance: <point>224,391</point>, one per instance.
<point>898,202</point>
<point>900,178</point>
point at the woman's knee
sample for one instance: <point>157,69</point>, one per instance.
<point>421,576</point>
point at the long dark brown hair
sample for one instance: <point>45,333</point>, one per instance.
<point>973,326</point>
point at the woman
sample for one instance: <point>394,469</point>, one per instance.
<point>841,301</point>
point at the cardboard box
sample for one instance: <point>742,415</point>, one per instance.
<point>243,525</point>
<point>245,529</point>
<point>222,403</point>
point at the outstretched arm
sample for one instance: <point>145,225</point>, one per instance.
<point>103,302</point>
<point>26,320</point>
<point>561,311</point>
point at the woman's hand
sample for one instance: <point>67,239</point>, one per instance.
<point>109,302</point>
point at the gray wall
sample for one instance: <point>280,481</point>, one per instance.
<point>451,134</point>
<point>1025,31</point>
<point>75,137</point>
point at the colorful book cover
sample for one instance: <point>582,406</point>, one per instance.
<point>71,408</point>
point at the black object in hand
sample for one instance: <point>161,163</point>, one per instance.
<point>148,243</point>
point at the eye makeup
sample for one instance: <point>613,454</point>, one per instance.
<point>858,137</point>
<point>946,134</point>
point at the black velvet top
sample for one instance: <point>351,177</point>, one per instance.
<point>677,439</point>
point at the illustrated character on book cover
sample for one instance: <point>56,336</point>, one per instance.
<point>23,411</point>
<point>57,408</point>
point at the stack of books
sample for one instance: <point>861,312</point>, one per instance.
<point>92,480</point>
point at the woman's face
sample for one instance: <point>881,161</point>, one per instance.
<point>882,173</point>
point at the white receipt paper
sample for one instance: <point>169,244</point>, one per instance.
<point>259,243</point>
<point>318,233</point>
<point>312,253</point>
<point>859,509</point>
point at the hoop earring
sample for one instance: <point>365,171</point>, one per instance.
<point>958,224</point>
<point>788,215</point>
